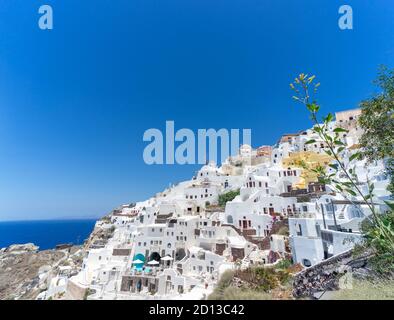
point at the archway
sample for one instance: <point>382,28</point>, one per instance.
<point>155,256</point>
<point>180,254</point>
<point>141,257</point>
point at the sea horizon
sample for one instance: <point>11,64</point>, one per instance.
<point>50,219</point>
<point>45,234</point>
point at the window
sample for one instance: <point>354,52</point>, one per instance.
<point>306,262</point>
<point>299,230</point>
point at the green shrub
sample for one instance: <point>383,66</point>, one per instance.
<point>383,261</point>
<point>283,264</point>
<point>264,278</point>
<point>228,196</point>
<point>224,282</point>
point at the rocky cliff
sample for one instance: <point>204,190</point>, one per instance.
<point>26,271</point>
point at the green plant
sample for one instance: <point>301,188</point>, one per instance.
<point>283,264</point>
<point>228,196</point>
<point>377,122</point>
<point>88,292</point>
<point>305,90</point>
<point>390,172</point>
<point>225,281</point>
<point>383,262</point>
<point>377,119</point>
<point>263,278</point>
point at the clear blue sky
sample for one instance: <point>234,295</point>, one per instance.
<point>75,101</point>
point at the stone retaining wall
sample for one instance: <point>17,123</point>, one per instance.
<point>325,275</point>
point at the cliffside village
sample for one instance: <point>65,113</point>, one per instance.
<point>177,244</point>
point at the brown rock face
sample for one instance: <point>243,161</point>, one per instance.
<point>19,270</point>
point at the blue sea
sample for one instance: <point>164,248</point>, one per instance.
<point>45,233</point>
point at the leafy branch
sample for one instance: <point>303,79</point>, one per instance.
<point>305,90</point>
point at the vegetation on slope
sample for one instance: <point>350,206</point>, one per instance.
<point>256,283</point>
<point>228,196</point>
<point>366,290</point>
